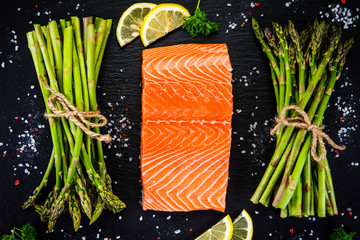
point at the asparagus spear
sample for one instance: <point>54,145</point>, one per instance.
<point>307,187</point>
<point>74,210</point>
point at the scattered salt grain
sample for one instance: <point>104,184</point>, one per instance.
<point>232,25</point>
<point>341,14</point>
<point>177,231</point>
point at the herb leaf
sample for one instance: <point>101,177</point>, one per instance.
<point>341,234</point>
<point>198,24</point>
<point>28,232</point>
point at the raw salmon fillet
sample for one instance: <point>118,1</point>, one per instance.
<point>187,105</point>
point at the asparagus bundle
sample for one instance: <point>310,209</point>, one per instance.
<point>304,68</point>
<point>69,64</point>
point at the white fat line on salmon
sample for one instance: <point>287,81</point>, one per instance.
<point>188,121</point>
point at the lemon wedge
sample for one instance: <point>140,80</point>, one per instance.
<point>243,227</point>
<point>161,20</point>
<point>130,22</point>
<point>223,230</point>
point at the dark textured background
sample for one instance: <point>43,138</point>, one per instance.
<point>119,82</point>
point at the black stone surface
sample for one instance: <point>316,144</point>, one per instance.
<point>120,85</point>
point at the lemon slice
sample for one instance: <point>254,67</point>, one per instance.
<point>161,20</point>
<point>223,230</point>
<point>130,22</point>
<point>243,227</point>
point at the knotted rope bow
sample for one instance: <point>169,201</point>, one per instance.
<point>71,112</point>
<point>303,121</point>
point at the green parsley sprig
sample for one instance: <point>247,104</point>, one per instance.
<point>27,232</point>
<point>341,234</point>
<point>198,24</point>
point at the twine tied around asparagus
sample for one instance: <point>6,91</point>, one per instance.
<point>77,117</point>
<point>303,121</point>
